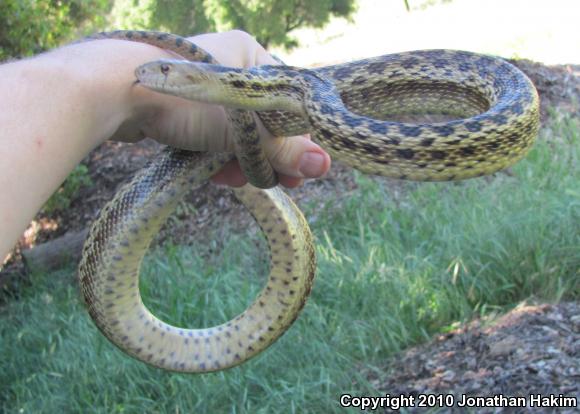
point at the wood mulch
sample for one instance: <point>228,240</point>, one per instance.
<point>532,350</point>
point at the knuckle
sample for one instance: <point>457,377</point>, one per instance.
<point>282,155</point>
<point>242,35</point>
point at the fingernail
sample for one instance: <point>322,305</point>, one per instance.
<point>311,164</point>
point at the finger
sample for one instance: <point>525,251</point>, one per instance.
<point>231,175</point>
<point>297,156</point>
<point>294,158</point>
<point>262,57</point>
<point>246,48</point>
<point>290,182</point>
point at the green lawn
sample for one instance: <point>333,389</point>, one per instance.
<point>394,268</point>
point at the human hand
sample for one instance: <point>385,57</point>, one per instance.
<point>59,105</point>
<point>202,127</point>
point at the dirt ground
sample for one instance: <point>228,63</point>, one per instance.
<point>533,349</point>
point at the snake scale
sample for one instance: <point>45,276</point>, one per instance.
<point>349,109</point>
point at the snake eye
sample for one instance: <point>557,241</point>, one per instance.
<point>164,69</point>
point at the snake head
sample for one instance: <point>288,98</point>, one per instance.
<point>195,81</point>
<point>190,80</point>
<point>251,89</point>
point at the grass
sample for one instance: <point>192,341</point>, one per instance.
<point>62,198</point>
<point>394,268</point>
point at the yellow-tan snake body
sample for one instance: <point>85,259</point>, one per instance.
<point>116,245</point>
<point>349,109</point>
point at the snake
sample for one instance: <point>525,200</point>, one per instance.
<point>353,111</point>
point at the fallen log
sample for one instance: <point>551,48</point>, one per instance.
<point>56,253</point>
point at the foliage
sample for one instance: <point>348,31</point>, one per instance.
<point>185,17</point>
<point>134,15</point>
<point>62,198</point>
<point>29,27</point>
<point>270,21</point>
<point>394,267</point>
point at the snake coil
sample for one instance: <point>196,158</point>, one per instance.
<point>347,108</point>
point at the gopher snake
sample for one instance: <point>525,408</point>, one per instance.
<point>345,107</point>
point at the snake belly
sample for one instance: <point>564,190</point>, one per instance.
<point>348,109</point>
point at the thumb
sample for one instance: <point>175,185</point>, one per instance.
<point>297,156</point>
